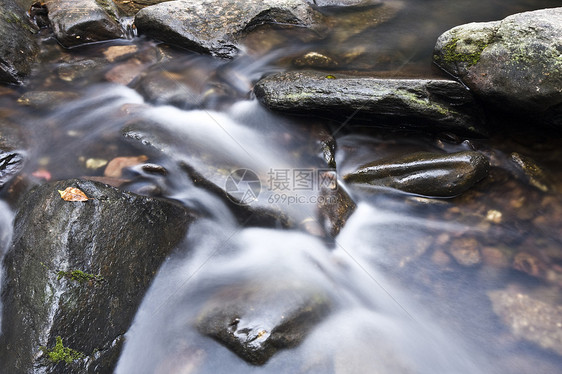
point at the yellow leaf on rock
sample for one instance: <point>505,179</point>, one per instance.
<point>73,194</point>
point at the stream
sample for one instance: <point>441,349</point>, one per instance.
<point>399,301</point>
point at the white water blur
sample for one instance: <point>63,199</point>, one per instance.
<point>374,325</point>
<point>6,217</point>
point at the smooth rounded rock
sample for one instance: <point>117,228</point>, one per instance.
<point>425,173</point>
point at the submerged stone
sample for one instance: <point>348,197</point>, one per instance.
<point>514,63</point>
<point>79,270</point>
<point>77,22</point>
<point>255,321</point>
<point>425,173</point>
<point>529,319</point>
<point>46,99</point>
<point>216,27</point>
<point>19,48</point>
<point>437,105</point>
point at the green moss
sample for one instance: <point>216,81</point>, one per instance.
<point>423,102</point>
<point>79,276</point>
<point>61,353</point>
<point>450,54</point>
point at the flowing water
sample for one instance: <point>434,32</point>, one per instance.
<point>399,300</point>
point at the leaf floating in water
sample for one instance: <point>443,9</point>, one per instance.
<point>73,194</point>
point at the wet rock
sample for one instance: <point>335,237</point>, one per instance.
<point>531,172</point>
<point>168,88</point>
<point>216,27</point>
<point>79,270</point>
<point>131,7</point>
<point>126,72</point>
<point>425,173</point>
<point>19,48</point>
<point>513,63</point>
<point>77,22</point>
<point>39,13</point>
<point>315,60</point>
<point>256,322</point>
<point>12,151</point>
<point>416,103</point>
<point>529,319</point>
<point>46,99</point>
<point>465,251</point>
<point>335,206</point>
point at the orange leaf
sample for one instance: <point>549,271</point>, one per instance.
<point>73,194</point>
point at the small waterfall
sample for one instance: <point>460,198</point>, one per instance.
<point>6,218</point>
<point>373,323</point>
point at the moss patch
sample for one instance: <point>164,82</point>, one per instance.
<point>61,353</point>
<point>79,276</point>
<point>450,54</point>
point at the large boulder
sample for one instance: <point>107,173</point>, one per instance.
<point>77,22</point>
<point>215,26</point>
<point>76,273</point>
<point>514,63</point>
<point>443,105</point>
<point>19,48</point>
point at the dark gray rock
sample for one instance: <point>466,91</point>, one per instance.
<point>425,173</point>
<point>417,103</point>
<point>117,239</point>
<point>215,26</point>
<point>77,22</point>
<point>19,48</point>
<point>514,63</point>
<point>255,321</point>
<point>12,151</point>
<point>529,319</point>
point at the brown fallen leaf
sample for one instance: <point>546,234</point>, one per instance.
<point>73,194</point>
<point>115,167</point>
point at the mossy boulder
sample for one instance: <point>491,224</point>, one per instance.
<point>76,273</point>
<point>434,105</point>
<point>513,64</point>
<point>19,48</point>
